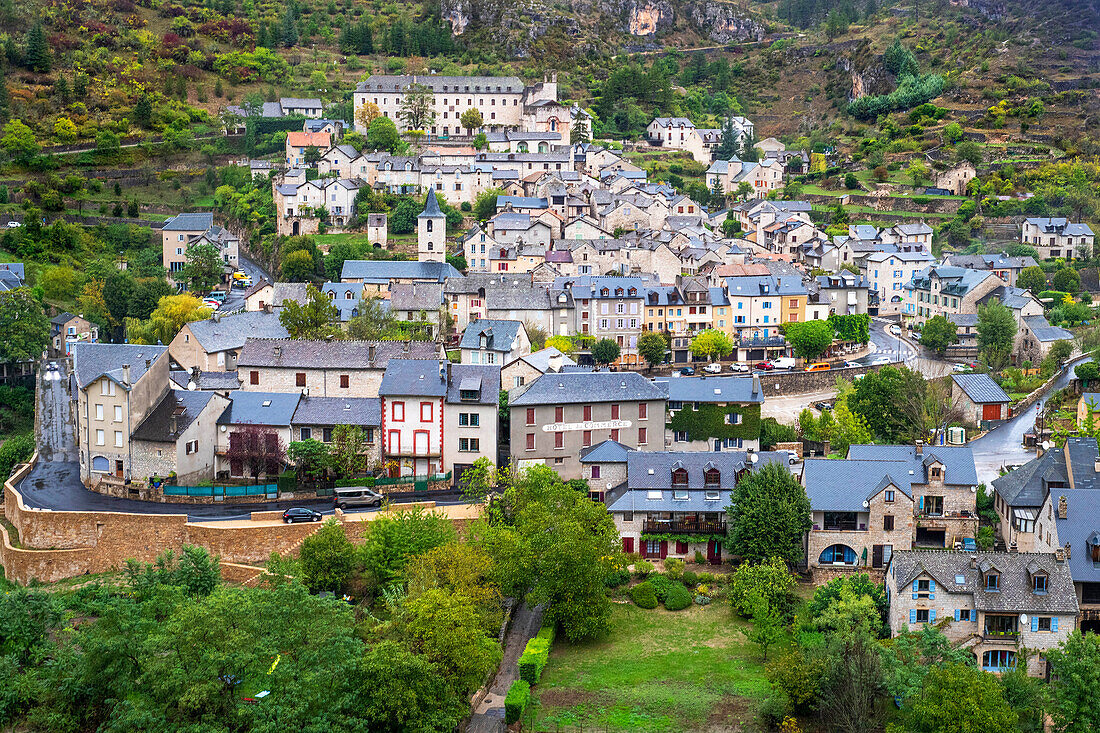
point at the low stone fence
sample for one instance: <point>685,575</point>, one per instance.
<point>778,383</point>
<point>54,545</point>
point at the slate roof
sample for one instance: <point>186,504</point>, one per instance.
<point>362,411</point>
<point>501,335</point>
<point>92,361</point>
<point>608,451</point>
<point>1059,225</point>
<point>1078,530</point>
<point>464,376</point>
<point>437,83</point>
<point>431,207</point>
<point>207,380</point>
<point>980,388</point>
<point>1082,459</point>
<point>963,319</point>
<point>260,408</point>
<point>295,353</point>
<point>231,332</point>
<point>992,262</point>
<point>553,389</point>
<point>197,222</point>
<point>1015,594</point>
<point>653,470</point>
<point>541,359</point>
<point>1092,399</point>
<point>418,377</point>
<point>713,389</point>
<point>383,270</point>
<point>14,267</point>
<point>1008,296</point>
<point>185,405</point>
<point>843,486</point>
<point>634,500</point>
<point>62,319</point>
<point>1027,486</point>
<point>1043,331</point>
<point>958,461</point>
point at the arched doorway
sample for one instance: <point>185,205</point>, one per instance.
<point>837,555</point>
<point>295,228</point>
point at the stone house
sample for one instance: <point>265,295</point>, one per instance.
<point>1077,522</point>
<point>529,367</point>
<point>845,292</point>
<point>889,272</point>
<point>980,398</point>
<point>115,386</point>
<point>412,395</point>
<point>1058,237</point>
<point>66,328</point>
<point>941,290</point>
<point>994,604</point>
<point>470,417</point>
<point>1035,338</point>
<point>603,466</point>
<point>214,344</point>
<point>297,143</point>
<point>556,415</point>
<point>713,413</point>
<point>494,342</point>
<point>252,432</point>
<point>1005,267</point>
<point>178,436</point>
<point>324,368</point>
<point>956,179</point>
<point>264,295</point>
<point>317,417</point>
<point>377,229</point>
<point>184,230</point>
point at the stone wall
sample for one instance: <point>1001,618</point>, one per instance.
<point>796,382</point>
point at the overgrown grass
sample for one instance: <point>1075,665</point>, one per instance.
<point>656,671</point>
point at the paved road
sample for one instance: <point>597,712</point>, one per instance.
<point>1004,444</point>
<point>54,483</point>
<point>234,301</point>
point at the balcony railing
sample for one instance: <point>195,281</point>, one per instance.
<point>682,526</point>
<point>771,341</point>
<point>994,635</point>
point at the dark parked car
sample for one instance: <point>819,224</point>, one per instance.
<point>823,406</point>
<point>687,371</point>
<point>301,514</point>
<point>764,366</point>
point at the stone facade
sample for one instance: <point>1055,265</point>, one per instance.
<point>362,382</point>
<point>871,541</point>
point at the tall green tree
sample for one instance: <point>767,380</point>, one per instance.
<point>202,269</point>
<point>881,398</point>
<point>417,107</point>
<point>37,55</point>
<point>1067,280</point>
<point>768,516</point>
<point>1075,678</point>
<point>382,135</point>
<point>23,323</point>
<point>996,330</point>
<point>316,319</point>
<point>939,333</point>
<point>958,698</point>
<point>327,558</point>
<point>711,344</point>
<point>18,141</point>
<point>809,339</point>
<point>653,347</point>
<point>605,351</point>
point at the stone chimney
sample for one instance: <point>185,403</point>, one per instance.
<point>756,384</point>
<point>1059,555</point>
<point>277,351</point>
<point>371,350</point>
<point>173,425</point>
<point>1067,549</point>
<point>973,562</point>
<point>1063,506</point>
<point>126,373</point>
<point>554,363</point>
<point>148,364</point>
<point>407,347</point>
<point>1096,465</point>
<point>268,308</point>
<point>920,447</point>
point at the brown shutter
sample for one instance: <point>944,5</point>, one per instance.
<point>876,556</point>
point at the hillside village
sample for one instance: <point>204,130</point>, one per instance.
<point>642,375</point>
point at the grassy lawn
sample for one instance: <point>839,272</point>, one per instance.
<point>657,671</point>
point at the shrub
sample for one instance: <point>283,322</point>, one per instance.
<point>642,568</point>
<point>706,577</point>
<point>14,451</point>
<point>643,597</point>
<point>674,567</point>
<point>699,558</point>
<point>774,709</point>
<point>770,579</point>
<point>535,656</point>
<point>662,584</point>
<point>617,577</point>
<point>690,579</point>
<point>702,600</point>
<point>515,702</point>
<point>677,598</point>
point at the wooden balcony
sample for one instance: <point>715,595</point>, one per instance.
<point>683,526</point>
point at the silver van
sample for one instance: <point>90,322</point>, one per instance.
<point>355,496</point>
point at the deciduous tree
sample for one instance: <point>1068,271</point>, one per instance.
<point>653,347</point>
<point>417,107</point>
<point>711,344</point>
<point>327,557</point>
<point>202,269</point>
<point>768,516</point>
<point>471,119</point>
<point>605,351</point>
<point>809,339</point>
<point>25,328</point>
<point>166,320</point>
<point>957,698</point>
<point>939,333</point>
<point>317,319</point>
<point>1075,678</point>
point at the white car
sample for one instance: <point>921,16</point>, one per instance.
<point>739,367</point>
<point>959,368</point>
<point>14,224</point>
<point>713,369</point>
<point>879,361</point>
<point>784,362</point>
<point>895,330</point>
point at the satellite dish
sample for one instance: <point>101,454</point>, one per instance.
<point>865,505</point>
<point>973,489</point>
<point>753,458</point>
<point>191,386</point>
<point>609,486</point>
<point>1023,619</point>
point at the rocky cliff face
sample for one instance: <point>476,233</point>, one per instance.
<point>869,76</point>
<point>516,25</point>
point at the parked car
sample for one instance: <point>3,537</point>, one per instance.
<point>52,366</point>
<point>353,496</point>
<point>13,224</point>
<point>687,371</point>
<point>849,364</point>
<point>880,360</point>
<point>213,304</point>
<point>301,514</point>
<point>713,369</point>
<point>764,366</point>
<point>217,295</point>
<point>823,406</point>
<point>819,366</point>
<point>895,330</point>
<point>959,368</point>
<point>792,457</point>
<point>739,367</point>
<point>785,362</point>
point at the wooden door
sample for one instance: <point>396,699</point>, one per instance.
<point>714,552</point>
<point>991,412</point>
<point>628,545</point>
<point>118,469</point>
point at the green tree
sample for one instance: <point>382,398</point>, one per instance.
<point>59,283</point>
<point>298,266</point>
<point>36,57</point>
<point>652,347</point>
<point>605,351</point>
<point>166,320</point>
<point>310,457</point>
<point>143,111</point>
<point>564,344</point>
<point>349,445</point>
<point>317,319</point>
<point>957,698</point>
<point>479,480</point>
<point>18,141</point>
<point>485,205</point>
<point>382,135</point>
<point>417,107</point>
<point>25,328</point>
<point>373,322</point>
<point>445,627</point>
<point>1033,279</point>
<point>767,625</point>
<point>202,269</point>
<point>471,119</point>
<point>1087,372</point>
<point>1075,678</point>
<point>996,327</point>
<point>918,171</point>
<point>1066,280</point>
<point>881,398</point>
<point>851,182</point>
<point>939,333</point>
<point>769,580</point>
<point>711,344</point>
<point>952,131</point>
<point>768,516</point>
<point>392,540</point>
<point>1060,352</point>
<point>327,557</point>
<point>970,152</point>
<point>809,339</point>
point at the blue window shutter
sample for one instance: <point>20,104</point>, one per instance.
<point>1034,623</point>
<point>922,503</point>
<point>931,615</point>
<point>912,615</point>
<point>958,614</point>
<point>1054,623</point>
<point>931,589</point>
<point>914,589</point>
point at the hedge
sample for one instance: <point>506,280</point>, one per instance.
<point>515,702</point>
<point>535,655</point>
<point>643,596</point>
<point>677,598</point>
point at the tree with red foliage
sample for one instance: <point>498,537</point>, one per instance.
<point>256,450</point>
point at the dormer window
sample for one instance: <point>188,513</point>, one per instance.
<point>605,292</point>
<point>712,496</point>
<point>680,495</point>
<point>618,292</point>
<point>935,473</point>
<point>680,478</point>
<point>993,582</point>
<point>712,478</point>
<point>1039,584</point>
